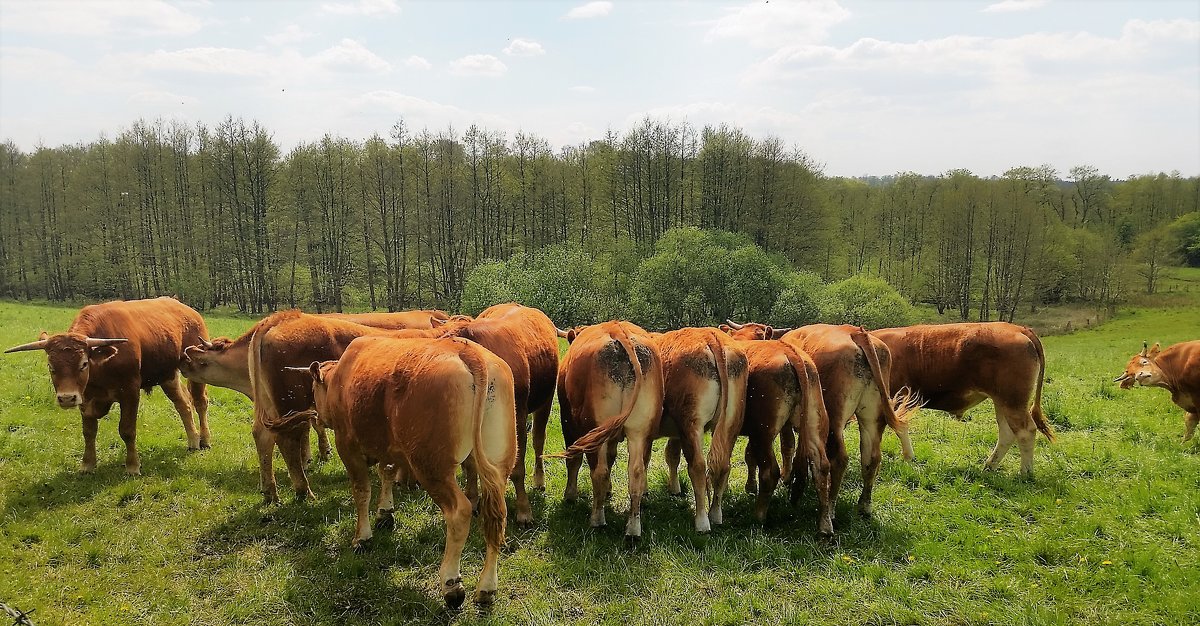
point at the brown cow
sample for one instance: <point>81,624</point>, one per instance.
<point>610,385</point>
<point>853,369</point>
<point>113,350</point>
<point>705,389</point>
<point>527,340</point>
<point>223,362</point>
<point>953,367</point>
<point>425,405</point>
<point>1176,369</point>
<point>783,396</point>
<point>293,339</point>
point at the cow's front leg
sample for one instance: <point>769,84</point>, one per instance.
<point>128,430</point>
<point>91,413</point>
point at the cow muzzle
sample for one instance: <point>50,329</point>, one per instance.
<point>69,400</point>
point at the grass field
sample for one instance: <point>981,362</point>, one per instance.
<point>1108,531</point>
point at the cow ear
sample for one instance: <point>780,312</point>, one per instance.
<point>1154,350</point>
<point>100,354</point>
<point>1145,349</point>
<point>436,323</point>
<point>315,369</point>
<point>726,328</point>
<point>43,336</point>
<point>571,335</point>
<point>768,332</point>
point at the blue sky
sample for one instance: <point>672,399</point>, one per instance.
<point>862,87</point>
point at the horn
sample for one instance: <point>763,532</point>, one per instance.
<point>1120,378</point>
<point>778,333</point>
<point>96,343</point>
<point>561,333</point>
<point>734,325</point>
<point>297,369</point>
<point>33,345</point>
<point>206,343</point>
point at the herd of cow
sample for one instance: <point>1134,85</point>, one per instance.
<point>420,394</point>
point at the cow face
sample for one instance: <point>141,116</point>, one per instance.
<point>320,372</point>
<point>215,364</point>
<point>1142,369</point>
<point>72,358</point>
<point>750,331</point>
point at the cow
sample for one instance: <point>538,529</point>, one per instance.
<point>704,389</point>
<point>222,362</point>
<point>610,386</point>
<point>953,367</point>
<point>426,406</point>
<point>783,395</point>
<point>113,350</point>
<point>527,340</point>
<point>293,339</point>
<point>1176,369</point>
<point>853,369</point>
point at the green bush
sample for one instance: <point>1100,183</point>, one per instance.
<point>865,301</point>
<point>800,301</point>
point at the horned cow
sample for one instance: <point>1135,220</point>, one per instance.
<point>1176,369</point>
<point>113,350</point>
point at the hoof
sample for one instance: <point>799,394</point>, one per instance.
<point>386,520</point>
<point>539,484</point>
<point>632,541</point>
<point>674,493</point>
<point>133,471</point>
<point>485,598</point>
<point>360,545</point>
<point>270,498</point>
<point>864,512</point>
<point>307,494</point>
<point>524,519</point>
<point>204,445</point>
<point>454,593</point>
<point>87,469</point>
<point>195,448</point>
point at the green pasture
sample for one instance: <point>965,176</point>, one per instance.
<point>1107,532</point>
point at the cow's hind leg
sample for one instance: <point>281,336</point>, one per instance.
<point>264,444</point>
<point>639,445</point>
<point>199,394</point>
<point>870,438</point>
<point>598,461</point>
<point>767,470</point>
<point>456,509</point>
<point>385,516</point>
<point>671,456</point>
<point>1024,431</point>
<point>541,417</point>
<point>183,406</point>
<point>1190,420</point>
<point>524,510</point>
<point>693,450</point>
<point>787,452</point>
<point>1004,441</point>
<point>359,473</point>
<point>322,443</point>
<point>292,445</point>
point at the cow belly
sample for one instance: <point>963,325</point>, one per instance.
<point>954,402</point>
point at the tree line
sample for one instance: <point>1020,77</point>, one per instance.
<point>224,217</point>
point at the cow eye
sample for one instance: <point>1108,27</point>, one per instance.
<point>1145,362</point>
<point>84,365</point>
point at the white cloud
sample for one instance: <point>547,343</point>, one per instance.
<point>292,34</point>
<point>1012,6</point>
<point>156,98</point>
<point>362,7</point>
<point>416,62</point>
<point>99,18</point>
<point>524,48</point>
<point>349,55</point>
<point>771,25</point>
<point>589,10</point>
<point>206,60</point>
<point>32,62</point>
<point>478,65</point>
<point>419,112</point>
<point>583,89</point>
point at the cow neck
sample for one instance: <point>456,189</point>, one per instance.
<point>1168,378</point>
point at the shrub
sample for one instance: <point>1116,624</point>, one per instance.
<point>864,301</point>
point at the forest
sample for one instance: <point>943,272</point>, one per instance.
<point>664,223</point>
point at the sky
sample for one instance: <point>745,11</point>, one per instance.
<point>862,87</point>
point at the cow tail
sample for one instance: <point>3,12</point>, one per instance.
<point>1036,413</point>
<point>812,408</point>
<point>612,428</point>
<point>895,412</point>
<point>492,509</point>
<point>265,411</point>
<point>721,446</point>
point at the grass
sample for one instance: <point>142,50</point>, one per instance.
<point>1106,533</point>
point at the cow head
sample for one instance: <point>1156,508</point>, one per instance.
<point>319,370</point>
<point>72,358</point>
<point>752,331</point>
<point>437,322</point>
<point>216,362</point>
<point>571,333</point>
<point>1142,369</point>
